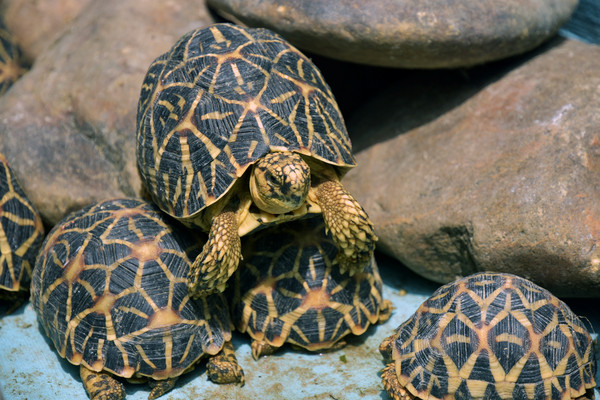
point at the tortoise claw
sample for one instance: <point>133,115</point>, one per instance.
<point>261,348</point>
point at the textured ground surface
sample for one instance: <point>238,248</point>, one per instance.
<point>31,370</point>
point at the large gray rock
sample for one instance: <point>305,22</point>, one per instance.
<point>497,174</point>
<point>68,126</point>
<point>406,33</point>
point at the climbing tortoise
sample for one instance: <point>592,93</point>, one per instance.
<point>237,129</point>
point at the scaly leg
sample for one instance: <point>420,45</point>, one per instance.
<point>224,368</point>
<point>349,225</point>
<point>261,348</point>
<point>160,387</point>
<point>100,385</point>
<point>385,311</point>
<point>392,386</point>
<point>219,259</point>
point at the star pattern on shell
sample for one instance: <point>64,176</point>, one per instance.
<point>110,290</point>
<point>491,336</point>
<point>21,232</point>
<point>222,98</point>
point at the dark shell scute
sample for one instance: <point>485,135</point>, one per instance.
<point>110,290</point>
<point>501,329</point>
<point>220,99</point>
<point>291,269</point>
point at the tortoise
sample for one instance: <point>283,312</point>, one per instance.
<point>236,129</point>
<point>21,235</point>
<point>109,289</point>
<point>11,60</point>
<point>289,289</point>
<point>490,336</point>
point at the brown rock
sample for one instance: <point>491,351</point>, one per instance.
<point>68,126</point>
<point>498,174</point>
<point>412,34</point>
<point>37,24</point>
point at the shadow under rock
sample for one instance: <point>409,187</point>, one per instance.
<point>399,277</point>
<point>372,97</point>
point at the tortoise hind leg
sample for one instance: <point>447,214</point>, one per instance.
<point>261,348</point>
<point>350,227</point>
<point>385,311</point>
<point>220,256</point>
<point>224,368</point>
<point>160,387</point>
<point>100,385</point>
<point>392,385</point>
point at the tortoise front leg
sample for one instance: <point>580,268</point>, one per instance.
<point>350,227</point>
<point>219,259</point>
<point>224,367</point>
<point>100,385</point>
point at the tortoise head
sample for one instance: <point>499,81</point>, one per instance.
<point>280,182</point>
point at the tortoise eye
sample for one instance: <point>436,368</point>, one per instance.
<point>270,178</point>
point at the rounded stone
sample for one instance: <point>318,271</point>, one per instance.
<point>494,171</point>
<point>407,34</point>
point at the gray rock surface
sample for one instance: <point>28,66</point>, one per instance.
<point>68,126</point>
<point>492,174</point>
<point>412,34</point>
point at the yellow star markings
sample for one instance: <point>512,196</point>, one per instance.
<point>496,333</point>
<point>289,290</point>
<point>244,89</point>
<point>21,232</point>
<point>96,268</point>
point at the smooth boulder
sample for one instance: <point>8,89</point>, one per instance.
<point>404,33</point>
<point>498,172</point>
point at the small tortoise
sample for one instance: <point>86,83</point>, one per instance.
<point>490,336</point>
<point>21,235</point>
<point>110,290</point>
<point>237,129</point>
<point>11,63</point>
<point>291,290</point>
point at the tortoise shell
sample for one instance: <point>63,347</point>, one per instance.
<point>21,232</point>
<point>109,288</point>
<point>490,336</point>
<point>218,101</point>
<point>289,289</point>
<point>11,67</point>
